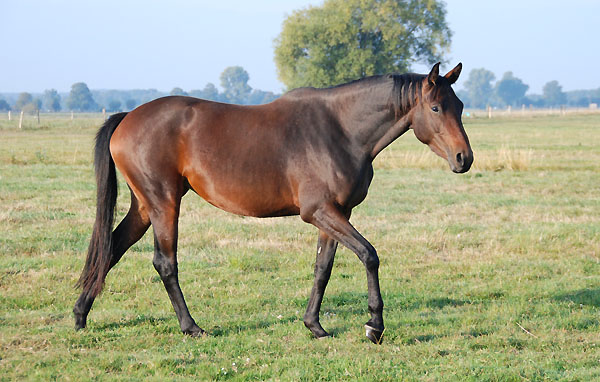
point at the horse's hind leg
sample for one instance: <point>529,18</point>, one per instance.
<point>127,233</point>
<point>165,223</point>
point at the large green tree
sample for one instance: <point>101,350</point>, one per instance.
<point>80,98</point>
<point>234,81</point>
<point>479,87</point>
<point>344,40</point>
<point>510,89</point>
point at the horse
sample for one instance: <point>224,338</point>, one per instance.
<point>308,153</point>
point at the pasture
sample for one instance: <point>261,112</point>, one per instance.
<point>489,275</point>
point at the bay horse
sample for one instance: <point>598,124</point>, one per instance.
<point>308,153</point>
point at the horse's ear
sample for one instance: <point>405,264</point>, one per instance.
<point>452,75</point>
<point>433,75</point>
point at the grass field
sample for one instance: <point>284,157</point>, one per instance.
<point>491,275</point>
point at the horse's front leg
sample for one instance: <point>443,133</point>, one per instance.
<point>329,219</point>
<point>325,254</point>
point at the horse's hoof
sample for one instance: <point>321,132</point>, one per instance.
<point>316,329</point>
<point>196,332</point>
<point>324,337</point>
<point>375,335</point>
<point>79,323</point>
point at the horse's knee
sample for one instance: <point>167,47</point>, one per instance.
<point>370,259</point>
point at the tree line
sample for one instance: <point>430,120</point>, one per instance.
<point>479,92</point>
<point>234,83</point>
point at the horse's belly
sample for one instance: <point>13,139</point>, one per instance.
<point>258,199</point>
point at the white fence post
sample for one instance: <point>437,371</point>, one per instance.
<point>21,120</point>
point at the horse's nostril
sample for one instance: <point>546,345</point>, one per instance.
<point>460,159</point>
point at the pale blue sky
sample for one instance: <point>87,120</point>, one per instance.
<point>127,44</point>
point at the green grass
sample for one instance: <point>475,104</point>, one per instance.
<point>491,275</point>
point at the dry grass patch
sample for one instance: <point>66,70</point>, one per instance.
<point>504,158</point>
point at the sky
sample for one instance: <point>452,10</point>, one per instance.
<point>142,44</point>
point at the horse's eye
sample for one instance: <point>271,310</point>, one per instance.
<point>435,108</point>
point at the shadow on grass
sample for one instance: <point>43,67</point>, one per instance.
<point>440,303</point>
<point>590,297</point>
<point>419,339</point>
<point>219,331</point>
<point>138,321</point>
<point>356,303</point>
<point>342,305</point>
<point>474,333</point>
<point>335,331</point>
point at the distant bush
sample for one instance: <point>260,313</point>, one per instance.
<point>4,106</point>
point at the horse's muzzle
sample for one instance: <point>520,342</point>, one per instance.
<point>461,162</point>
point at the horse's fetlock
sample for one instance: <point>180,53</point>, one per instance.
<point>376,307</point>
<point>309,320</point>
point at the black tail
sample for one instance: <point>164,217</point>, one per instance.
<point>99,254</point>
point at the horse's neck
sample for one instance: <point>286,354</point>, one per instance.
<point>367,114</point>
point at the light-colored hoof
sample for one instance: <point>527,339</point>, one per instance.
<point>376,336</point>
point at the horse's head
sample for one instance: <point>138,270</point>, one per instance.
<point>437,120</point>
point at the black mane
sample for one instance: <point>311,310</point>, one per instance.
<point>407,90</point>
